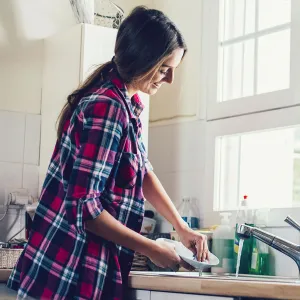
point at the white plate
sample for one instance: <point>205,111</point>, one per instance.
<point>188,256</point>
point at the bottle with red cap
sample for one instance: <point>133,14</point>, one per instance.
<point>244,216</point>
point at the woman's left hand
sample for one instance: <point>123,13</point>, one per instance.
<point>196,242</point>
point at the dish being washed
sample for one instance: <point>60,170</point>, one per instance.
<point>189,257</point>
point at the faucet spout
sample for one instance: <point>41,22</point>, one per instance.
<point>290,249</point>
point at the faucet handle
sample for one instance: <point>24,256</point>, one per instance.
<point>292,222</point>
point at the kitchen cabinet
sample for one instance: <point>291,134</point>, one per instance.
<point>69,57</point>
<point>139,295</point>
<point>175,296</point>
<point>152,295</point>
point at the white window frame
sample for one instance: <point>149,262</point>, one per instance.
<point>269,120</point>
<point>262,102</point>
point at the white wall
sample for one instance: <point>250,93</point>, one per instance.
<point>23,26</point>
<point>128,5</point>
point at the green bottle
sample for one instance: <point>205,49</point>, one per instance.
<point>260,259</point>
<point>245,263</point>
<point>244,216</point>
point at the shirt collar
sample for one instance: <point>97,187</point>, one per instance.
<point>135,104</point>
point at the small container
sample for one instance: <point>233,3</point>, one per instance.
<point>148,225</point>
<point>189,212</point>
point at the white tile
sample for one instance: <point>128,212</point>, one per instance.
<point>31,179</point>
<point>178,147</point>
<point>12,130</point>
<point>160,150</point>
<point>181,184</point>
<point>189,141</point>
<point>32,139</point>
<point>282,264</point>
<point>10,176</point>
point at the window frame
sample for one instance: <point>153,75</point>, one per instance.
<point>251,104</point>
<point>271,119</point>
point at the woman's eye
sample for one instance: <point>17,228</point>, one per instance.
<point>163,72</point>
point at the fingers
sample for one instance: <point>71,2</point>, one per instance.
<point>205,250</point>
<point>207,255</point>
<point>199,247</point>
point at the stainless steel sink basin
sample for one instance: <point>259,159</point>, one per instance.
<point>223,277</point>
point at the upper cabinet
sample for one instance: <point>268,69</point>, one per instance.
<point>69,58</point>
<point>181,101</point>
<point>251,59</point>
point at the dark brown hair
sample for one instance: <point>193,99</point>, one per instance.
<point>144,39</point>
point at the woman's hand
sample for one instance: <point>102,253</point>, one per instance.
<point>163,255</point>
<point>194,241</point>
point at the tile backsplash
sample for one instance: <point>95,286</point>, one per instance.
<point>19,164</point>
<point>19,152</point>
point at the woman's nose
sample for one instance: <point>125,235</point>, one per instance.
<point>169,77</point>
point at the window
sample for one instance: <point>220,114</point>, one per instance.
<point>263,165</point>
<point>256,155</point>
<point>250,55</point>
<point>248,30</point>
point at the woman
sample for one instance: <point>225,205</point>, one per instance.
<point>99,175</point>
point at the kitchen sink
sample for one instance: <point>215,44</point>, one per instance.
<point>241,277</point>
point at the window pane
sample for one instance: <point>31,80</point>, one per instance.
<point>273,63</point>
<point>263,165</point>
<point>252,61</point>
<point>228,170</point>
<point>273,13</point>
<point>237,18</point>
<point>237,70</point>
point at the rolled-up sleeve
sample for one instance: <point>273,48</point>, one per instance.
<point>147,164</point>
<point>103,124</point>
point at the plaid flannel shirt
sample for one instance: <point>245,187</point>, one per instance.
<point>99,164</point>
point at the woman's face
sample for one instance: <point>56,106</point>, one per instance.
<point>165,73</point>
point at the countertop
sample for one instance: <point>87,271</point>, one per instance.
<point>193,284</point>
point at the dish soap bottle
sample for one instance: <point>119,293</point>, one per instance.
<point>244,216</point>
<point>222,245</point>
<point>189,212</point>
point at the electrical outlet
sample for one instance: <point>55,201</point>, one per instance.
<point>19,191</point>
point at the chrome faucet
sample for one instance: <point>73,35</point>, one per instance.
<point>290,249</point>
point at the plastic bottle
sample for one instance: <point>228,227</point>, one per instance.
<point>244,216</point>
<point>189,212</point>
<point>222,245</point>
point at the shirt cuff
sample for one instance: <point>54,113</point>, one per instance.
<point>78,211</point>
<point>148,166</point>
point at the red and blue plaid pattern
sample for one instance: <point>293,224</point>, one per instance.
<point>99,164</point>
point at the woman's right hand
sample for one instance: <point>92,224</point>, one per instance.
<point>163,255</point>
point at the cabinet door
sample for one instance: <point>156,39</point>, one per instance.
<point>138,295</point>
<point>175,296</point>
